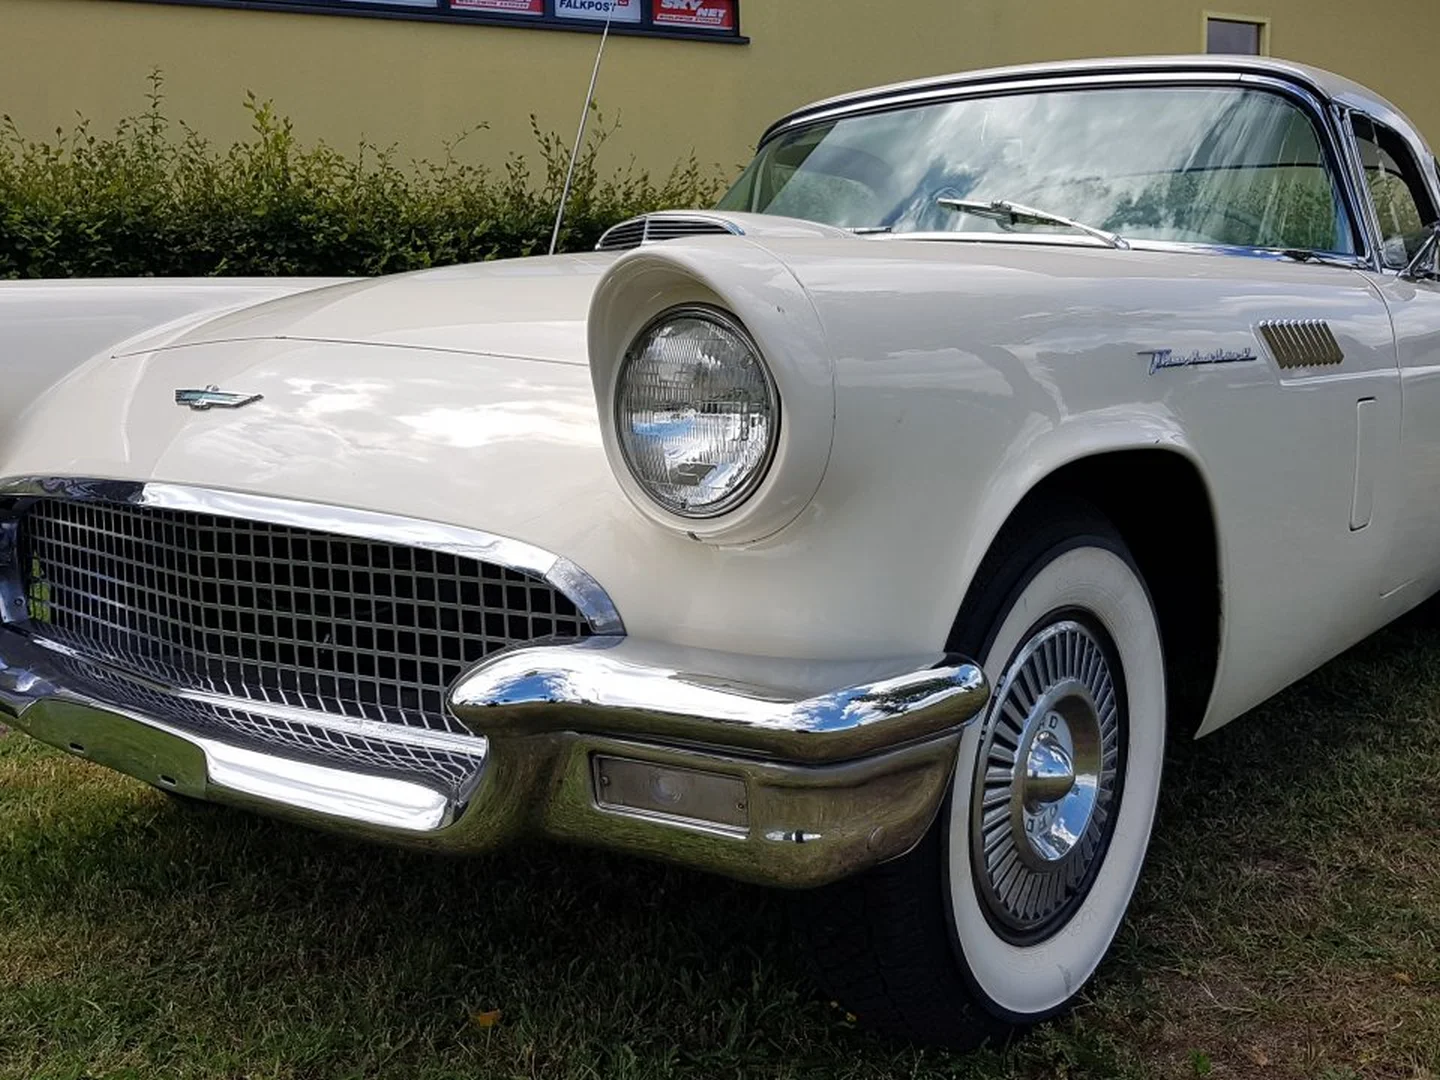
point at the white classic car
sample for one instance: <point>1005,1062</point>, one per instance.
<point>871,531</point>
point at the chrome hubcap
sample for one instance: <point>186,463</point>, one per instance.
<point>1048,773</point>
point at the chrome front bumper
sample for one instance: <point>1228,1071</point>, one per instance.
<point>787,774</point>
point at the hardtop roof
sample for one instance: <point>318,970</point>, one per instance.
<point>1327,84</point>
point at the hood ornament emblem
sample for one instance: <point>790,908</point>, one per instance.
<point>212,397</point>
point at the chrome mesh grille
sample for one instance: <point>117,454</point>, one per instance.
<point>274,613</point>
<point>451,769</point>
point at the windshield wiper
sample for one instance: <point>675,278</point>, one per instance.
<point>1010,213</point>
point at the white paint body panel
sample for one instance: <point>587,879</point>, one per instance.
<point>960,375</point>
<point>927,387</point>
<point>48,327</point>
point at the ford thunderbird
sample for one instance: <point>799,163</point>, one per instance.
<point>867,535</point>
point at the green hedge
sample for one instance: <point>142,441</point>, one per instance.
<point>156,198</point>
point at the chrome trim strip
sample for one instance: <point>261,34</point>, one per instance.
<point>1330,258</point>
<point>579,587</point>
<point>1354,166</point>
<point>164,754</point>
<point>695,697</point>
<point>377,730</point>
<point>1143,67</point>
<point>369,800</point>
<point>12,575</point>
<point>1347,262</point>
<point>1033,239</point>
<point>589,598</point>
<point>890,100</point>
<point>1320,106</point>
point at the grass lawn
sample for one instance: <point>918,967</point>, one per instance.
<point>1286,926</point>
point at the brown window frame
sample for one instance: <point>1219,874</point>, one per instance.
<point>1260,22</point>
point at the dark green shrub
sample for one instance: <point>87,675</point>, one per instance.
<point>155,198</point>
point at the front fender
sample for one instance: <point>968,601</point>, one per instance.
<point>1041,450</point>
<point>749,282</point>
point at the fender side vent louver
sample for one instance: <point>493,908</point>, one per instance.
<point>654,228</point>
<point>1301,343</point>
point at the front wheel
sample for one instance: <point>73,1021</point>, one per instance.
<point>1008,905</point>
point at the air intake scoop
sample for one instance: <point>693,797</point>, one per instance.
<point>675,224</point>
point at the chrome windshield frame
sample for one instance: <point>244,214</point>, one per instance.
<point>1322,111</point>
<point>1343,118</point>
<point>1345,124</point>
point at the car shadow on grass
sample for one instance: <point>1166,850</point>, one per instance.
<point>172,929</point>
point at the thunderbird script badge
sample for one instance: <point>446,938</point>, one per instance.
<point>1168,358</point>
<point>212,397</point>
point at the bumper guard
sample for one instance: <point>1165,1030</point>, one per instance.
<point>781,773</point>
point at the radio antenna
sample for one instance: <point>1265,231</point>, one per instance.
<point>580,135</point>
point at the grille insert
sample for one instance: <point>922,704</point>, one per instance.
<point>453,770</point>
<point>274,613</point>
<point>656,228</point>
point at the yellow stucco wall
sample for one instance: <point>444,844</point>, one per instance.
<point>415,83</point>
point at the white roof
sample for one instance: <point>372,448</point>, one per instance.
<point>1329,85</point>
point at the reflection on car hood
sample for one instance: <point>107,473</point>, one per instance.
<point>531,308</point>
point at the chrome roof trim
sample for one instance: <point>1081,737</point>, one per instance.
<point>1321,83</point>
<point>908,97</point>
<point>584,591</point>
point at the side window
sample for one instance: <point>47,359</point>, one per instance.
<point>1397,190</point>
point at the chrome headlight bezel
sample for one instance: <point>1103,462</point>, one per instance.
<point>758,473</point>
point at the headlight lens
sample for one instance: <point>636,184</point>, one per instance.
<point>697,412</point>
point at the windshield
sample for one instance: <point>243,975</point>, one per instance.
<point>1225,166</point>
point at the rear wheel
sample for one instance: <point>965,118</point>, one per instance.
<point>1006,908</point>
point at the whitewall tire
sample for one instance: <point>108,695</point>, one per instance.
<point>1006,909</point>
<point>1026,976</point>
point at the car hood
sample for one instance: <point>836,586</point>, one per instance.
<point>529,309</point>
<point>508,445</point>
<point>524,308</point>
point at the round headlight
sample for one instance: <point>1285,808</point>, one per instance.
<point>697,413</point>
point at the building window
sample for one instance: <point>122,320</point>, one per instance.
<point>709,20</point>
<point>1236,36</point>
